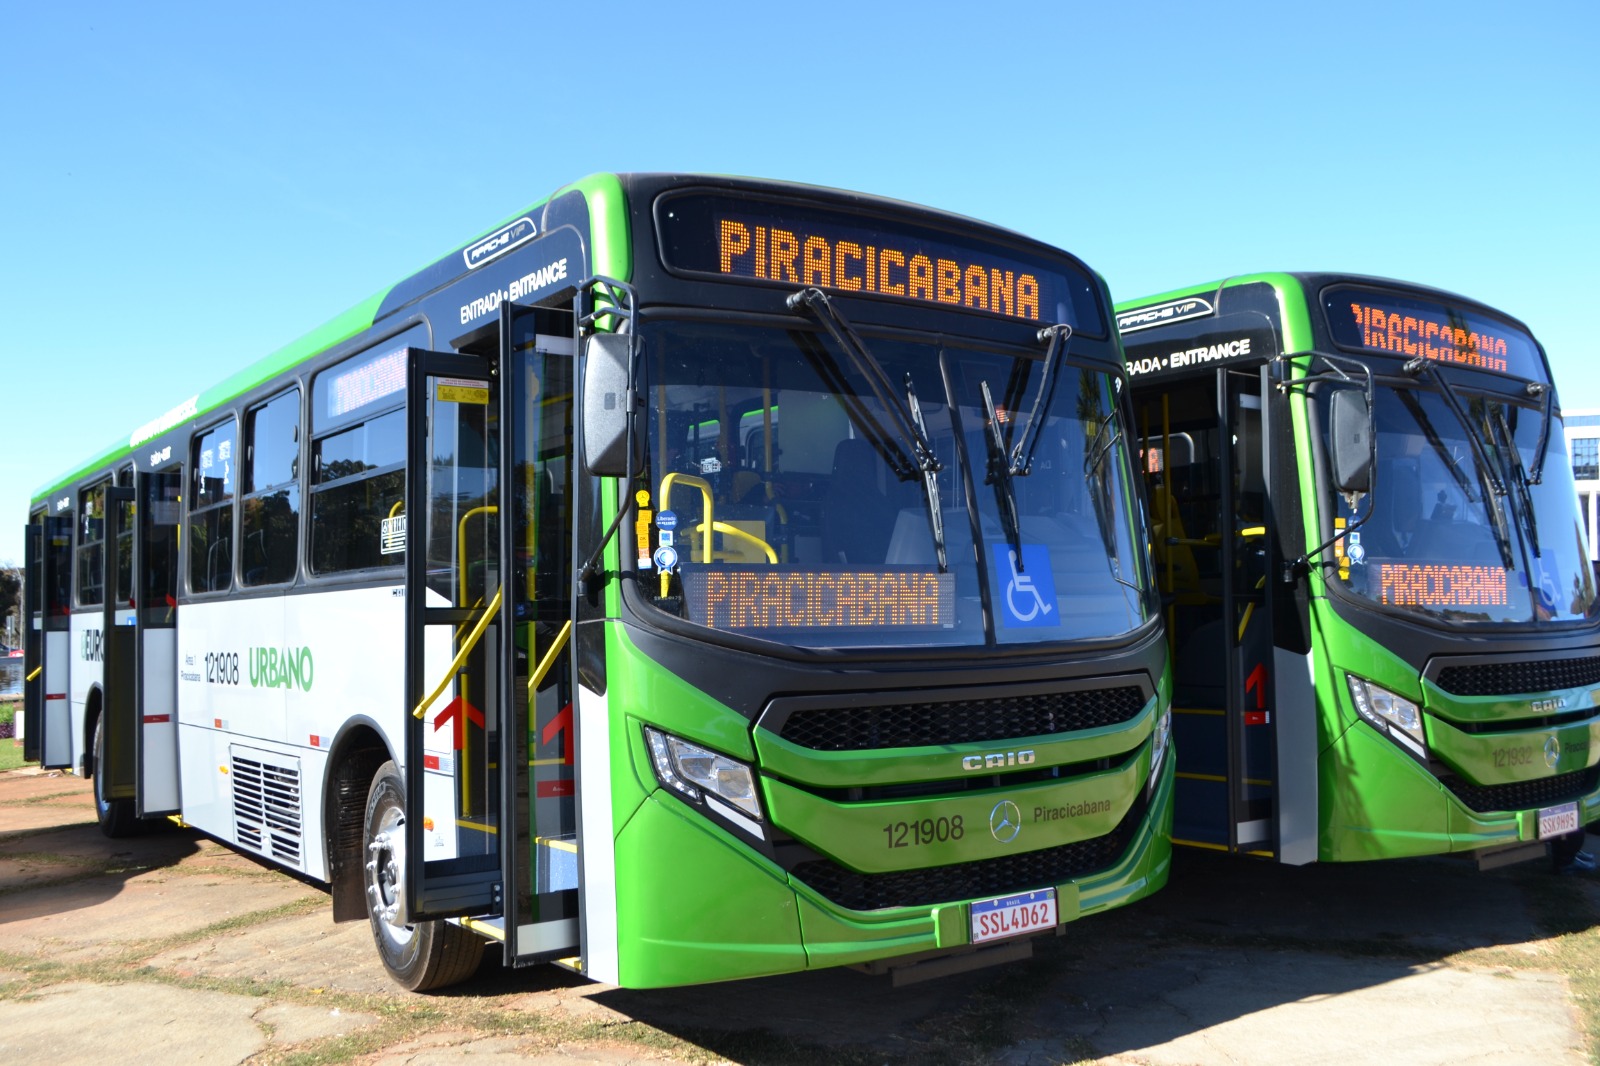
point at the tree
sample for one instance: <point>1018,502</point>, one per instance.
<point>10,596</point>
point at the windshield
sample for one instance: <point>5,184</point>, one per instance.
<point>783,504</point>
<point>1441,541</point>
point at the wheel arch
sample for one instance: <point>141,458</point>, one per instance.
<point>357,753</point>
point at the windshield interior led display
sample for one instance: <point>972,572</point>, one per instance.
<point>737,598</point>
<point>1406,584</point>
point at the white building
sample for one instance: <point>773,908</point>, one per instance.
<point>1583,446</point>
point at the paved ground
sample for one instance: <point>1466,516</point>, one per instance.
<point>169,948</point>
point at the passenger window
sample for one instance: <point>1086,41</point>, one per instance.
<point>211,509</point>
<point>92,545</point>
<point>270,513</point>
<point>358,463</point>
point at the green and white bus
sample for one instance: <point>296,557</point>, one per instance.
<point>779,598</point>
<point>1384,625</point>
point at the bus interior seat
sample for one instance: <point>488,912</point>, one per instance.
<point>857,518</point>
<point>1199,672</point>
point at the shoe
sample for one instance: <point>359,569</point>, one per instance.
<point>1584,861</point>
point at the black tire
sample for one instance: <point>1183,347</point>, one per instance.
<point>420,957</point>
<point>117,816</point>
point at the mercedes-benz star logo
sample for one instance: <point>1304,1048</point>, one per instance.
<point>1005,821</point>
<point>1552,751</point>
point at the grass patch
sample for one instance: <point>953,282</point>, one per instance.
<point>10,750</point>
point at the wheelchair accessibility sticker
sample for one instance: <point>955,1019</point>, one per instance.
<point>1028,594</point>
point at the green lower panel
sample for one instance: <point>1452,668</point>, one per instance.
<point>836,937</point>
<point>731,913</point>
<point>734,914</point>
<point>1379,803</point>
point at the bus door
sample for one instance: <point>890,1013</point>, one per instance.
<point>118,702</point>
<point>1211,518</point>
<point>542,871</point>
<point>32,636</point>
<point>490,776</point>
<point>155,614</point>
<point>55,733</point>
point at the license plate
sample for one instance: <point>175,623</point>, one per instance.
<point>1554,821</point>
<point>995,919</point>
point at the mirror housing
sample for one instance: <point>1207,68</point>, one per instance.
<point>1350,441</point>
<point>608,408</point>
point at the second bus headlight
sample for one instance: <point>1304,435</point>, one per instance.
<point>692,770</point>
<point>1394,716</point>
<point>1159,742</point>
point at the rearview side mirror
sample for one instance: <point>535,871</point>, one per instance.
<point>608,407</point>
<point>1350,441</point>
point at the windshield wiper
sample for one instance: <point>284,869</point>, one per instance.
<point>1519,478</point>
<point>906,417</point>
<point>1416,367</point>
<point>1022,456</point>
<point>1536,389</point>
<point>930,477</point>
<point>1486,470</point>
<point>1431,435</point>
<point>999,474</point>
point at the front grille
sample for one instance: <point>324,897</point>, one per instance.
<point>910,725</point>
<point>971,880</point>
<point>1517,678</point>
<point>1523,795</point>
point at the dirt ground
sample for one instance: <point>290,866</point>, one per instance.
<point>169,948</point>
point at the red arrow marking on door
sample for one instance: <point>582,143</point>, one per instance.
<point>1258,681</point>
<point>452,712</point>
<point>562,724</point>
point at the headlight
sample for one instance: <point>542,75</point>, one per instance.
<point>1394,716</point>
<point>1160,740</point>
<point>727,785</point>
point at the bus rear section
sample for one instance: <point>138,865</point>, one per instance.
<point>1382,614</point>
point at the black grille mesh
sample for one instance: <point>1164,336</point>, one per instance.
<point>1523,795</point>
<point>1515,678</point>
<point>909,725</point>
<point>971,880</point>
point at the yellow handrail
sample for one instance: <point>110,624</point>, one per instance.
<point>37,670</point>
<point>549,659</point>
<point>461,656</point>
<point>664,502</point>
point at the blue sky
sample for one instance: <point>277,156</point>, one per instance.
<point>190,186</point>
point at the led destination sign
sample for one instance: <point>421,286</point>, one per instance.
<point>1407,326</point>
<point>1411,585</point>
<point>749,249</point>
<point>753,240</point>
<point>777,598</point>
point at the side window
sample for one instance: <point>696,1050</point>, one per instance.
<point>92,545</point>
<point>358,462</point>
<point>125,543</point>
<point>270,514</point>
<point>211,509</point>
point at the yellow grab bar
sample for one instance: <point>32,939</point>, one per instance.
<point>549,659</point>
<point>664,501</point>
<point>461,657</point>
<point>37,670</point>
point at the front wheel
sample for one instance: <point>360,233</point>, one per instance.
<point>117,816</point>
<point>426,955</point>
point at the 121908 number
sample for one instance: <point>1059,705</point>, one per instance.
<point>926,831</point>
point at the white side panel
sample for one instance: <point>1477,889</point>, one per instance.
<point>158,726</point>
<point>1297,758</point>
<point>284,674</point>
<point>87,670</point>
<point>56,732</point>
<point>597,907</point>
